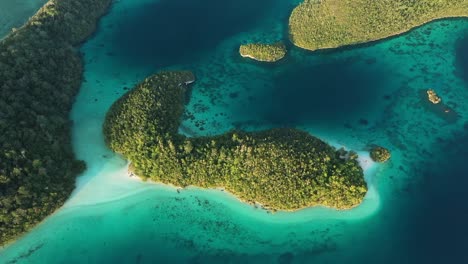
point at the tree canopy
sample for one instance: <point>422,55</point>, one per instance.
<point>326,24</point>
<point>40,74</point>
<point>380,154</point>
<point>263,52</point>
<point>283,168</point>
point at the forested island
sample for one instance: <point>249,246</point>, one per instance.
<point>263,52</point>
<point>40,74</point>
<point>380,154</point>
<point>327,24</point>
<point>282,169</point>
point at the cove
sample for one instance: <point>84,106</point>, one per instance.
<point>111,218</point>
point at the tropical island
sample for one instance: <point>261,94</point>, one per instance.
<point>263,52</point>
<point>325,24</point>
<point>380,154</point>
<point>40,74</point>
<point>284,169</point>
<point>281,169</point>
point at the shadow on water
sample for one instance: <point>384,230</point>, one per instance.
<point>438,229</point>
<point>168,32</point>
<point>462,59</point>
<point>333,91</point>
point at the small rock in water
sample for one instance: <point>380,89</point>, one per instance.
<point>433,97</point>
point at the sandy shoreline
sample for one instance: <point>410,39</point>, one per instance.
<point>248,56</point>
<point>364,159</point>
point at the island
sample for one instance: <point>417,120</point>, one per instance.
<point>433,97</point>
<point>263,52</point>
<point>325,24</point>
<point>40,74</point>
<point>281,169</point>
<point>432,102</point>
<point>380,154</point>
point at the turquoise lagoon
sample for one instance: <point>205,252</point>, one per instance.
<point>414,212</point>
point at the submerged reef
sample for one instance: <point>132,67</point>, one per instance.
<point>40,74</point>
<point>263,52</point>
<point>282,169</point>
<point>380,154</point>
<point>328,24</point>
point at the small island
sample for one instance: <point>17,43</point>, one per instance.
<point>263,52</point>
<point>432,102</point>
<point>380,154</point>
<point>326,24</point>
<point>281,169</point>
<point>433,97</point>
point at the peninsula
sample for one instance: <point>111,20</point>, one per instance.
<point>325,24</point>
<point>40,74</point>
<point>282,169</point>
<point>263,52</point>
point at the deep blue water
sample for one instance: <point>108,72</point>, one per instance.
<point>325,92</point>
<point>357,96</point>
<point>437,228</point>
<point>164,33</point>
<point>462,58</point>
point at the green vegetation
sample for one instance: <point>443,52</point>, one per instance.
<point>263,52</point>
<point>321,24</point>
<point>40,73</point>
<point>283,169</point>
<point>380,154</point>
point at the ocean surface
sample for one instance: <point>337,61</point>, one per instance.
<point>416,210</point>
<point>13,13</point>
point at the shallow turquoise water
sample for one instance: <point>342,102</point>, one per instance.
<point>352,97</point>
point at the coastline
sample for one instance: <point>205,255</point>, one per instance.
<point>256,59</point>
<point>366,163</point>
<point>15,14</point>
<point>159,218</point>
<point>75,35</point>
<point>263,52</point>
<point>372,41</point>
<point>251,57</point>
